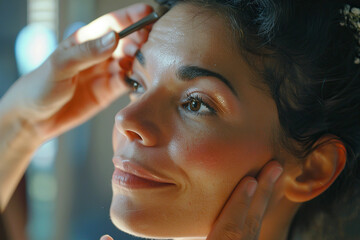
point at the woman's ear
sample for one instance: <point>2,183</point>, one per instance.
<point>317,172</point>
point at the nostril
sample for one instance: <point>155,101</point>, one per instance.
<point>133,135</point>
<point>136,128</point>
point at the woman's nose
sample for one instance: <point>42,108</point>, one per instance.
<point>137,123</point>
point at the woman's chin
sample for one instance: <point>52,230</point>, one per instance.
<point>148,221</point>
<point>132,222</point>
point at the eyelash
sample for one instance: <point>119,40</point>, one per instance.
<point>200,100</point>
<point>134,85</point>
<point>131,84</point>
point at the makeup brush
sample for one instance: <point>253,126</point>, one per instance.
<point>151,18</point>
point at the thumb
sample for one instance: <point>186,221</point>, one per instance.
<point>106,237</point>
<point>70,60</point>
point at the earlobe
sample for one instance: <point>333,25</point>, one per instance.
<point>317,172</point>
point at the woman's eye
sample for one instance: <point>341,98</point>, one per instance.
<point>135,87</point>
<point>197,106</point>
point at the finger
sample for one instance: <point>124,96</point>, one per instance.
<point>106,237</point>
<point>117,84</point>
<point>266,181</point>
<point>112,73</point>
<point>230,222</point>
<point>100,68</point>
<point>114,21</point>
<point>130,48</point>
<point>126,63</point>
<point>100,91</point>
<point>70,61</point>
<point>126,47</point>
<point>133,14</point>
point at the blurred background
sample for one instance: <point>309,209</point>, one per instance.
<point>66,192</point>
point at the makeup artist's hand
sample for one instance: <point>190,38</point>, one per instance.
<point>242,215</point>
<point>81,77</point>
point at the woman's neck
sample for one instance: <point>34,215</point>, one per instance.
<point>276,223</point>
<point>277,220</point>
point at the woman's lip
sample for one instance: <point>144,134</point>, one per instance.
<point>130,167</point>
<point>131,181</point>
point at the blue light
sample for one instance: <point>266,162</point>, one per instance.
<point>33,45</point>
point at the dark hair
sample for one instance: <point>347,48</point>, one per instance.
<point>307,65</point>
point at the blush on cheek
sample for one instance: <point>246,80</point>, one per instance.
<point>223,156</point>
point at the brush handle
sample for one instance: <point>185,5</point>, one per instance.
<point>139,24</point>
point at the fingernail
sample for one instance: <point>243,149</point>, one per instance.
<point>275,173</point>
<point>108,40</point>
<point>251,187</point>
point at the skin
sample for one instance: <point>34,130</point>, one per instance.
<point>78,80</point>
<point>205,155</point>
<point>219,161</point>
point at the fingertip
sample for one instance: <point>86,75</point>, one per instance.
<point>251,186</point>
<point>130,49</point>
<point>108,41</point>
<point>143,35</point>
<point>271,172</point>
<point>276,173</point>
<point>275,163</point>
<point>106,237</point>
<point>247,186</point>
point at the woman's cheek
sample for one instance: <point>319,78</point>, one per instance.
<point>213,167</point>
<point>220,156</point>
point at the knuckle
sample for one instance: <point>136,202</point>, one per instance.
<point>85,48</point>
<point>242,205</point>
<point>56,61</point>
<point>89,48</point>
<point>57,65</point>
<point>232,232</point>
<point>253,225</point>
<point>59,62</point>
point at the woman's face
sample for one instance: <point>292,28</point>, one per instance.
<point>196,121</point>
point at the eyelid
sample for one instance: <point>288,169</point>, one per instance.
<point>129,81</point>
<point>210,110</point>
<point>205,99</point>
<point>137,70</point>
<point>135,77</point>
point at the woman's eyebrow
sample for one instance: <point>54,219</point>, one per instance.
<point>140,57</point>
<point>188,73</point>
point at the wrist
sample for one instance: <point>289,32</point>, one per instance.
<point>15,124</point>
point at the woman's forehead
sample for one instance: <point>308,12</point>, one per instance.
<point>193,35</point>
<point>190,36</point>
